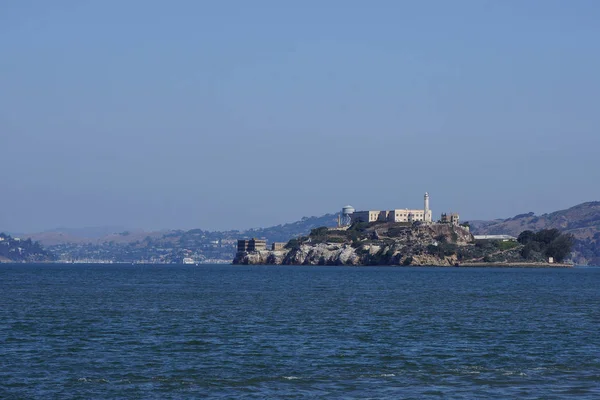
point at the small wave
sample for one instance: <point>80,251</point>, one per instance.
<point>388,375</point>
<point>88,380</point>
<point>290,378</point>
<point>511,373</point>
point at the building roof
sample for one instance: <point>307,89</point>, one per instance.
<point>494,237</point>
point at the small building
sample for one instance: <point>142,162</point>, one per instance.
<point>276,246</point>
<point>366,216</point>
<point>502,238</point>
<point>242,245</point>
<point>257,245</point>
<point>452,218</point>
<point>251,245</point>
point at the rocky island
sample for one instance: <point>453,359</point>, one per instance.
<point>413,244</point>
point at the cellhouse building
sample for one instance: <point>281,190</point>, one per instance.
<point>395,215</point>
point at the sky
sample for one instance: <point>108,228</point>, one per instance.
<point>230,114</point>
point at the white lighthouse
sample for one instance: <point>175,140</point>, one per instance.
<point>426,210</point>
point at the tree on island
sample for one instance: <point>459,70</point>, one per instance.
<point>547,242</point>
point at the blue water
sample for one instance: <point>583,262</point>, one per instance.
<point>171,332</point>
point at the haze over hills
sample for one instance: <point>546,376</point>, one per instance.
<point>91,235</point>
<point>99,235</point>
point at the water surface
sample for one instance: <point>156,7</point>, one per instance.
<point>160,332</point>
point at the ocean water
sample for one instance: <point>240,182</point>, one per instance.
<point>246,332</point>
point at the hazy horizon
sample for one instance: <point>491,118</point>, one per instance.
<point>103,230</point>
<point>236,115</point>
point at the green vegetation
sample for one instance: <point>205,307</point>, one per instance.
<point>358,227</point>
<point>506,245</point>
<point>293,244</point>
<point>547,242</point>
<point>443,249</point>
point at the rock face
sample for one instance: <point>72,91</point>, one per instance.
<point>376,244</point>
<point>262,257</point>
<point>322,254</point>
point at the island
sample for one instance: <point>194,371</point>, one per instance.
<point>418,243</point>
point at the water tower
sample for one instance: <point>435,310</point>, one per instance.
<point>346,215</point>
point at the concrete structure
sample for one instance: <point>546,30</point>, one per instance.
<point>406,215</point>
<point>396,215</point>
<point>242,245</point>
<point>503,238</point>
<point>278,246</point>
<point>345,218</point>
<point>427,215</point>
<point>366,216</point>
<point>251,245</point>
<point>452,218</point>
<point>257,245</point>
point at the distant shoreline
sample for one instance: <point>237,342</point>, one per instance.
<point>516,265</point>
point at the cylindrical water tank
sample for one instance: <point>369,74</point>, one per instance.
<point>347,210</point>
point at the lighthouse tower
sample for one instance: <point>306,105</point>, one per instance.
<point>427,211</point>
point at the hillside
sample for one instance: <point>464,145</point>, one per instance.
<point>17,250</point>
<point>283,233</point>
<point>582,221</point>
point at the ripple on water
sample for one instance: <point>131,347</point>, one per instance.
<point>223,332</point>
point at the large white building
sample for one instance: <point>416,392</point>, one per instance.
<point>395,215</point>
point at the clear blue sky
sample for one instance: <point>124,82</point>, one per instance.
<point>238,114</point>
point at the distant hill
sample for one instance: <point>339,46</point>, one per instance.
<point>90,235</point>
<point>22,250</point>
<point>91,232</point>
<point>118,235</point>
<point>582,221</point>
<point>285,232</point>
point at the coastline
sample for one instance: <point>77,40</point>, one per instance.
<point>515,265</point>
